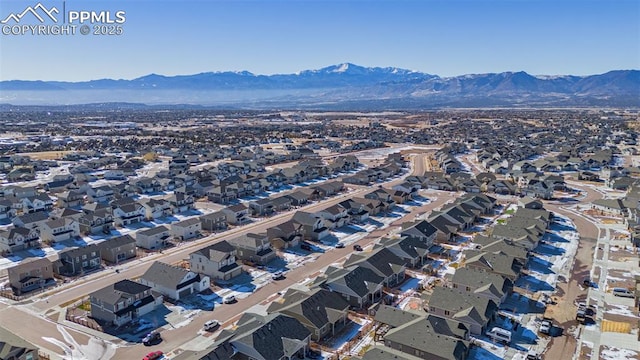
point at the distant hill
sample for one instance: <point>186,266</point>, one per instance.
<point>339,86</point>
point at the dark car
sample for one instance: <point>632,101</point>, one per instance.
<point>152,338</point>
<point>357,247</point>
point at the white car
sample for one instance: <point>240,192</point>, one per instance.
<point>211,324</point>
<point>277,275</point>
<point>545,327</point>
<point>229,299</point>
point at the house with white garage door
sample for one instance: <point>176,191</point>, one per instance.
<point>174,282</point>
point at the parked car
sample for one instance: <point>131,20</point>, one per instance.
<point>357,247</point>
<point>339,245</point>
<point>211,324</point>
<point>229,299</point>
<point>545,327</point>
<point>622,292</point>
<point>500,335</point>
<point>532,355</point>
<point>152,338</point>
<point>277,275</point>
<point>153,355</point>
<point>581,314</point>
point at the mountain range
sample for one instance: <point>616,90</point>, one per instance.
<point>342,86</point>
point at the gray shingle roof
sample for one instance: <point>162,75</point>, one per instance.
<point>165,275</point>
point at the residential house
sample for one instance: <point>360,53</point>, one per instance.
<point>383,262</point>
<point>499,263</point>
<point>359,285</point>
<point>285,235</point>
<point>102,194</point>
<point>530,203</point>
<point>154,238</point>
<point>473,310</point>
<point>30,274</point>
<point>118,249</point>
<point>128,213</point>
<point>355,210</point>
<point>18,238</point>
<point>320,311</point>
<point>236,214</point>
<point>218,261</point>
<point>77,261</point>
<point>70,199</point>
<point>423,339</point>
<point>31,221</point>
<point>122,302</point>
<point>214,221</point>
<point>491,285</point>
<point>181,202</point>
<point>186,229</point>
<point>6,210</point>
<point>421,230</point>
<point>298,198</point>
<point>412,250</point>
<point>334,216</point>
<point>313,227</point>
<point>59,230</point>
<point>273,336</point>
<point>97,222</point>
<point>156,208</point>
<point>15,347</point>
<point>174,282</point>
<point>254,248</point>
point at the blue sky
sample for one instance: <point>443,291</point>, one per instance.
<point>265,37</point>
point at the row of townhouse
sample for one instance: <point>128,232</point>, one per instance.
<point>476,290</point>
<point>36,273</point>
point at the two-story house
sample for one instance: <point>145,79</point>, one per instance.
<point>101,194</point>
<point>156,208</point>
<point>186,229</point>
<point>59,230</point>
<point>18,238</point>
<point>122,302</point>
<point>77,261</point>
<point>214,221</point>
<point>237,214</point>
<point>127,214</point>
<point>96,222</point>
<point>313,227</point>
<point>31,274</point>
<point>254,248</point>
<point>153,238</point>
<point>181,202</point>
<point>218,261</point>
<point>118,249</point>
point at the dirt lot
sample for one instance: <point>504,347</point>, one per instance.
<point>46,155</point>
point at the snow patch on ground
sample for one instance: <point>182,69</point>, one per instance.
<point>620,310</point>
<point>613,353</point>
<point>95,349</point>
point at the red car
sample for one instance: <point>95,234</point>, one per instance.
<point>153,355</point>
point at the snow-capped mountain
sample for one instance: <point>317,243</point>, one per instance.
<point>340,85</point>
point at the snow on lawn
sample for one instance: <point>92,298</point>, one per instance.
<point>94,349</point>
<point>486,351</point>
<point>613,353</point>
<point>620,310</point>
